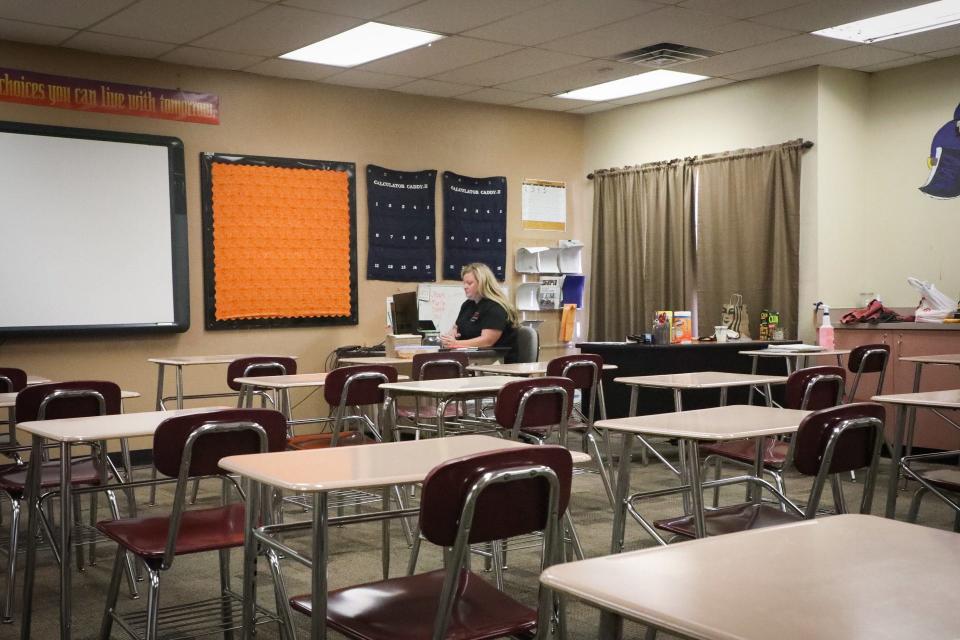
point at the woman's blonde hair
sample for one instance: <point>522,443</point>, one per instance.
<point>488,288</point>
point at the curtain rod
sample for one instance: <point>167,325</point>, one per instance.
<point>806,144</point>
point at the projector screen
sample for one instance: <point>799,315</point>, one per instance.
<point>95,234</point>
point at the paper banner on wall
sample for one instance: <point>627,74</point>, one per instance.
<point>401,241</point>
<point>475,223</point>
<point>544,205</point>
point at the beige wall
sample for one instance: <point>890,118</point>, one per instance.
<point>277,117</point>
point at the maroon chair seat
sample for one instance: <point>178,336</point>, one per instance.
<point>434,366</point>
<point>534,406</point>
<point>325,440</point>
<point>730,519</point>
<point>12,379</point>
<point>200,530</point>
<point>941,481</point>
<point>946,479</point>
<point>372,610</point>
<point>82,473</point>
<point>867,358</point>
<point>259,366</point>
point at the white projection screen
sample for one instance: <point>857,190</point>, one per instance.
<point>94,232</point>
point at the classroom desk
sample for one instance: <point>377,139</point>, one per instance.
<point>792,359</point>
<point>732,422</point>
<point>700,380</point>
<point>319,471</point>
<point>447,390</point>
<point>520,369</point>
<point>855,577</point>
<point>190,361</point>
<point>907,403</point>
<point>32,380</point>
<point>67,432</point>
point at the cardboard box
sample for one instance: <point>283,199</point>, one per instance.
<point>394,340</point>
<point>682,327</point>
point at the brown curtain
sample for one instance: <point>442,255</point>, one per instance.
<point>642,246</point>
<point>748,233</point>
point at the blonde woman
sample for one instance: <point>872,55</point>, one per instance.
<point>486,319</point>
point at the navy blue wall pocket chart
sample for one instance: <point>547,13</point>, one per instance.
<point>401,237</point>
<point>475,223</point>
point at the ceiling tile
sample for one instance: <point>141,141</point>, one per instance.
<point>762,72</point>
<point>435,88</point>
<point>17,31</point>
<point>367,79</point>
<point>442,55</point>
<point>857,57</point>
<point>578,76</point>
<point>596,107</point>
<point>559,19</point>
<point>512,66</point>
<point>552,104</point>
<point>738,35</point>
<point>670,24</point>
<point>673,91</point>
<point>62,13</point>
<point>820,14</point>
<point>893,64</point>
<point>117,45</point>
<point>368,9</point>
<point>178,21</point>
<point>197,57</point>
<point>793,48</point>
<point>294,69</point>
<point>927,41</point>
<point>497,96</point>
<point>740,8</point>
<point>276,30</point>
<point>945,53</point>
<point>455,16</point>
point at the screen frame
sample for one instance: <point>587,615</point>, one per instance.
<point>180,268</point>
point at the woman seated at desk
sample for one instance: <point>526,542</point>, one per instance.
<point>486,319</point>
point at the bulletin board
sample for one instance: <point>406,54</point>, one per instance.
<point>279,242</point>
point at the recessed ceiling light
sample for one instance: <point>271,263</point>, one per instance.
<point>925,17</point>
<point>633,85</point>
<point>362,44</point>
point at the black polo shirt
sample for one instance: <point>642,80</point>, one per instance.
<point>474,317</point>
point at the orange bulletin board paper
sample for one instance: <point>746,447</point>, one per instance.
<point>280,247</point>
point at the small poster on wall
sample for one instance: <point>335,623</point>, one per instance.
<point>544,205</point>
<point>943,182</point>
<point>475,223</point>
<point>402,246</point>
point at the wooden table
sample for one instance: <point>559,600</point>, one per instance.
<point>907,404</point>
<point>68,432</point>
<point>733,422</point>
<point>448,390</point>
<point>319,471</point>
<point>190,361</point>
<point>855,577</point>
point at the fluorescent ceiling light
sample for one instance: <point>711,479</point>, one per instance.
<point>925,17</point>
<point>633,85</point>
<point>362,44</point>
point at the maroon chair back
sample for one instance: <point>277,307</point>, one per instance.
<point>541,410</point>
<point>171,437</point>
<point>503,510</point>
<point>442,365</point>
<point>582,376</point>
<point>853,451</point>
<point>259,366</point>
<point>12,380</point>
<point>825,393</point>
<point>361,392</point>
<point>30,399</point>
<point>871,357</point>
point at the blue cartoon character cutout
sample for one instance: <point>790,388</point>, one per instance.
<point>944,161</point>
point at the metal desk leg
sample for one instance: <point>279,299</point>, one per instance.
<point>682,452</point>
<point>753,371</point>
<point>696,489</point>
<point>895,450</point>
<point>252,489</point>
<point>33,531</point>
<point>159,405</point>
<point>912,418</point>
<point>318,577</point>
<point>611,625</point>
<point>442,416</point>
<point>179,386</point>
<point>66,531</point>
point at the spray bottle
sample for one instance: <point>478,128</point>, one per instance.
<point>825,332</point>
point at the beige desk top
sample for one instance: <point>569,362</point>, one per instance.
<point>32,380</point>
<point>947,358</point>
<point>731,422</point>
<point>449,387</point>
<point>949,399</point>
<point>124,425</point>
<point>10,399</point>
<point>772,352</point>
<point>854,577</point>
<point>378,360</point>
<point>291,381</point>
<point>183,361</point>
<point>701,380</point>
<point>358,467</point>
<point>520,368</point>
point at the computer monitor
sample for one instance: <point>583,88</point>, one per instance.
<point>406,315</point>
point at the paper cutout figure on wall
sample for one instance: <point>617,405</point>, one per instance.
<point>944,161</point>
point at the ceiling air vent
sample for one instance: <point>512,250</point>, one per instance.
<point>664,54</point>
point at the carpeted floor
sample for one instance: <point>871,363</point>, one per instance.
<point>355,558</point>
